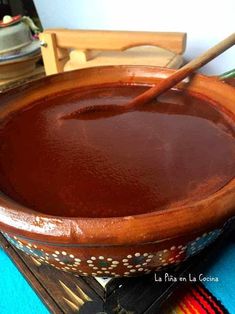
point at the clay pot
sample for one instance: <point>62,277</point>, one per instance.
<point>123,246</point>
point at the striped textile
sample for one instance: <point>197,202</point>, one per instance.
<point>194,299</point>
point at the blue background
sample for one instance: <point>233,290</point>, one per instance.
<point>16,295</point>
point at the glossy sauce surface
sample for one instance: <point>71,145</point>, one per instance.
<point>172,152</point>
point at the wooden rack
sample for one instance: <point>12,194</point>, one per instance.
<point>64,50</point>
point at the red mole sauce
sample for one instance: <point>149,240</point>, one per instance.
<point>171,152</point>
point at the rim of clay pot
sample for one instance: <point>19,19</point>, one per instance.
<point>157,226</point>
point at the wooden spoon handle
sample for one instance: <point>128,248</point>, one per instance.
<point>182,73</point>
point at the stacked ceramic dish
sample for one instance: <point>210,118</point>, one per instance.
<point>19,50</point>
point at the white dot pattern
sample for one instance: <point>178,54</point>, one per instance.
<point>113,266</point>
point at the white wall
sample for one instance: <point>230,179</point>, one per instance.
<point>205,21</point>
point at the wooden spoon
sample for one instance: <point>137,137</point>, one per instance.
<point>162,86</point>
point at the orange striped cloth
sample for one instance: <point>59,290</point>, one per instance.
<point>194,299</point>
